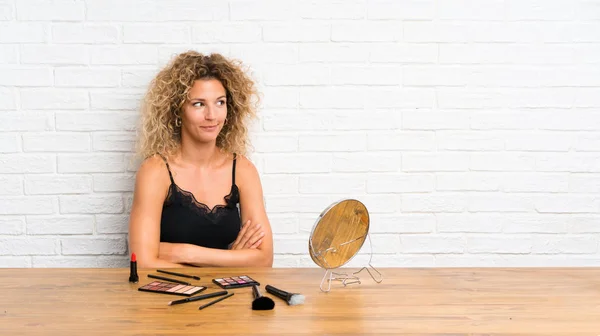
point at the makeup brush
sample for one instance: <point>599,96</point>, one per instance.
<point>261,302</point>
<point>292,299</point>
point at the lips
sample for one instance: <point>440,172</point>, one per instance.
<point>209,128</point>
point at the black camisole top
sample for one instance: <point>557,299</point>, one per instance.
<point>185,220</point>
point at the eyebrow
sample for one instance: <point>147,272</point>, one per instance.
<point>202,99</point>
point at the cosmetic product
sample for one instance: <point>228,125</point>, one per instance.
<point>261,302</point>
<point>179,274</point>
<point>133,276</point>
<point>168,279</point>
<point>292,299</point>
<point>215,301</point>
<point>196,298</point>
<point>235,282</point>
<point>171,288</point>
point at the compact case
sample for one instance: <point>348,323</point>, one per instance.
<point>171,288</point>
<point>235,282</point>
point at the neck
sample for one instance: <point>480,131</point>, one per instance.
<point>198,154</point>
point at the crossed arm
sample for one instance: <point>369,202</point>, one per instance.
<point>249,250</point>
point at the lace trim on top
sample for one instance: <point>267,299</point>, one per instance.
<point>188,200</point>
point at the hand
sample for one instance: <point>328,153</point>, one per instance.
<point>250,237</point>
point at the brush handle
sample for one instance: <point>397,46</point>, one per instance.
<point>278,292</point>
<point>256,292</point>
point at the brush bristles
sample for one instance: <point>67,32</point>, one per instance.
<point>296,299</point>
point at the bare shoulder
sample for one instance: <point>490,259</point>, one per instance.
<point>153,169</point>
<point>245,167</point>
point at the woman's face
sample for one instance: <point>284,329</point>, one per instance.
<point>205,111</point>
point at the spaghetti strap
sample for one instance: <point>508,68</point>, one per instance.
<point>168,168</point>
<point>233,170</point>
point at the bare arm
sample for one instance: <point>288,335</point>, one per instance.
<point>144,221</point>
<point>252,208</point>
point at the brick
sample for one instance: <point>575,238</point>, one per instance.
<point>502,162</point>
<point>22,32</point>
<point>500,245</point>
<point>11,185</point>
<point>113,182</point>
<point>298,204</point>
<point>136,78</point>
<point>91,163</point>
<point>296,32</point>
<point>488,10</point>
<point>504,120</point>
<point>536,182</point>
<point>400,183</point>
<point>432,244</point>
<point>26,121</point>
<point>583,223</point>
<point>100,121</point>
<point>366,31</point>
<point>567,204</point>
<point>332,143</point>
<point>331,184</point>
<point>57,184</point>
<point>585,142</point>
<point>409,223</point>
<point>437,162</point>
<point>26,205</point>
<point>411,53</point>
<point>15,262</point>
<point>565,245</point>
<point>284,224</point>
<point>27,163</point>
<point>435,75</point>
<point>297,163</point>
<point>12,225</point>
<point>85,33</point>
<point>263,11</point>
<point>539,10</point>
<point>405,10</point>
<point>268,53</point>
<point>281,97</point>
<point>500,202</point>
<point>96,245</point>
<point>435,32</point>
<point>56,142</point>
<point>112,223</point>
<point>123,55</point>
<point>499,53</point>
<point>114,142</point>
<point>584,183</point>
<point>532,223</point>
<point>9,54</point>
<point>570,120</point>
<point>80,262</point>
<point>279,183</point>
<point>470,141</point>
<point>116,100</point>
<point>468,223</point>
<point>434,203</point>
<point>568,162</point>
<point>366,75</point>
<point>329,53</point>
<point>28,246</point>
<point>91,204</point>
<point>54,54</point>
<point>354,120</point>
<point>366,162</point>
<point>376,203</point>
<point>331,97</point>
<point>313,74</point>
<point>8,99</point>
<point>53,99</point>
<point>51,10</point>
<point>156,33</point>
<point>60,225</point>
<point>450,97</point>
<point>7,11</point>
<point>295,121</point>
<point>26,76</point>
<point>9,143</point>
<point>85,77</point>
<point>128,200</point>
<point>386,97</point>
<point>290,246</point>
<point>587,97</point>
<point>270,143</point>
<point>226,33</point>
<point>471,181</point>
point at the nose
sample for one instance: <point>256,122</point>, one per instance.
<point>209,112</point>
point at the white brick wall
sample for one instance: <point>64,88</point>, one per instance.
<point>470,129</point>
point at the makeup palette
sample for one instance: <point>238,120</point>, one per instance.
<point>171,288</point>
<point>235,282</point>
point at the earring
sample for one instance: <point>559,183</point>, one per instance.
<point>177,121</point>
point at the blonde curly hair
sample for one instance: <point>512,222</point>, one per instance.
<point>168,92</point>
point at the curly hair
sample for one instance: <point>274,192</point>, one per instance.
<point>168,92</point>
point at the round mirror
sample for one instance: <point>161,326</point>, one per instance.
<point>339,233</point>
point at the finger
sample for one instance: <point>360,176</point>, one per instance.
<point>256,237</point>
<point>240,234</point>
<point>257,244</point>
<point>251,232</point>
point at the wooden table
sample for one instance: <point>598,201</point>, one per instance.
<point>430,301</point>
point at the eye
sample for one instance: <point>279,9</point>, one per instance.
<point>198,104</point>
<point>221,102</point>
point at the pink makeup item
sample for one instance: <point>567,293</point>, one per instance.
<point>171,288</point>
<point>235,282</point>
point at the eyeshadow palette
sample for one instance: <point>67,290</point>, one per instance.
<point>171,288</point>
<point>235,282</point>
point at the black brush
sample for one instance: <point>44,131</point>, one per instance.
<point>292,299</point>
<point>261,302</point>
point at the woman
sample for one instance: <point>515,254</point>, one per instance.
<point>195,188</point>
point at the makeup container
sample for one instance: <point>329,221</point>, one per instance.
<point>133,276</point>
